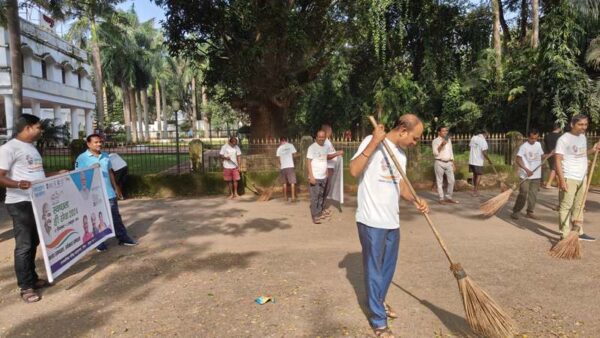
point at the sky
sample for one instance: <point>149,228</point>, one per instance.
<point>145,9</point>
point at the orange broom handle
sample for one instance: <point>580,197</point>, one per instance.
<point>414,194</point>
<point>588,184</point>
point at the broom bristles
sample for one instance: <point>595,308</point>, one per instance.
<point>491,206</point>
<point>483,314</point>
<point>266,194</point>
<point>567,248</point>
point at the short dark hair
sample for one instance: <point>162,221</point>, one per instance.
<point>232,138</point>
<point>558,125</point>
<point>91,136</point>
<point>577,118</point>
<point>534,131</point>
<point>440,128</point>
<point>283,139</point>
<point>408,121</point>
<point>26,120</point>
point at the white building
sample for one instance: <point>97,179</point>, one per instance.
<point>56,80</point>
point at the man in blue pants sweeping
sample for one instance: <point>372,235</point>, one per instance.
<point>377,216</point>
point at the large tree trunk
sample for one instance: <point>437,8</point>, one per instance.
<point>523,21</point>
<point>267,121</point>
<point>144,98</point>
<point>133,112</point>
<point>496,39</point>
<point>139,113</point>
<point>158,110</point>
<point>503,24</point>
<point>194,105</point>
<point>535,23</point>
<point>126,111</point>
<point>97,75</point>
<point>165,124</point>
<point>105,100</point>
<point>13,23</point>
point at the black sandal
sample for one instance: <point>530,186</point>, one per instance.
<point>30,296</point>
<point>383,332</point>
<point>41,284</point>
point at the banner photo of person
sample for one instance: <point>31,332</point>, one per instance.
<point>72,215</point>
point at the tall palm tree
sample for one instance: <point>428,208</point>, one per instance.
<point>89,14</point>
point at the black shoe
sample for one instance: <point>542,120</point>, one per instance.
<point>102,247</point>
<point>128,242</point>
<point>585,237</point>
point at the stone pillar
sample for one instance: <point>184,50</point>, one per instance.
<point>58,118</point>
<point>89,122</point>
<point>74,124</point>
<point>8,110</point>
<point>35,108</point>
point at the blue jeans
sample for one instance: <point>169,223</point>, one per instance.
<point>380,254</point>
<point>120,230</point>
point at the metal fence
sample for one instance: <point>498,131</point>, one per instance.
<point>172,157</point>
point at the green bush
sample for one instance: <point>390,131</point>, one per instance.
<point>76,147</point>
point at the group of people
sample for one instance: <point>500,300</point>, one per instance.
<point>20,165</point>
<point>321,158</point>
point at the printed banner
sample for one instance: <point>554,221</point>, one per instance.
<point>72,214</point>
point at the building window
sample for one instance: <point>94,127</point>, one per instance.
<point>64,75</point>
<point>44,70</point>
<point>79,80</point>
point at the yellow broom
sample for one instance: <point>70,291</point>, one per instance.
<point>491,206</point>
<point>484,316</point>
<point>569,247</point>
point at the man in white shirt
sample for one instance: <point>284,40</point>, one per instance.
<point>317,156</point>
<point>571,156</point>
<point>287,174</point>
<point>443,165</point>
<point>529,159</point>
<point>478,151</point>
<point>20,164</point>
<point>377,216</point>
<point>230,155</point>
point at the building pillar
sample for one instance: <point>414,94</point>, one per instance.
<point>74,124</point>
<point>35,108</point>
<point>89,122</point>
<point>58,118</point>
<point>8,110</point>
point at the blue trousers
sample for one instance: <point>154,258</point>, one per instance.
<point>120,230</point>
<point>380,254</point>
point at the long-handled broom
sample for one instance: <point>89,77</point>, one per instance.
<point>482,313</point>
<point>569,247</point>
<point>491,206</point>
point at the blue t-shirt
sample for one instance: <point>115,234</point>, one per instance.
<point>87,159</point>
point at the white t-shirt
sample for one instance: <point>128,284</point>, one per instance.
<point>23,163</point>
<point>230,153</point>
<point>379,187</point>
<point>117,161</point>
<point>531,155</point>
<point>318,156</point>
<point>285,153</point>
<point>331,150</point>
<point>478,144</point>
<point>574,151</point>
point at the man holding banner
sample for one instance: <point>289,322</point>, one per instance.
<point>94,155</point>
<point>20,164</point>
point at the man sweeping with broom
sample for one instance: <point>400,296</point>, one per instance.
<point>529,160</point>
<point>377,219</point>
<point>571,167</point>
